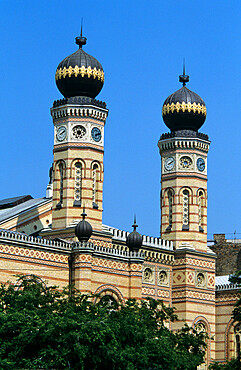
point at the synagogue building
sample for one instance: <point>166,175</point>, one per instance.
<point>61,237</point>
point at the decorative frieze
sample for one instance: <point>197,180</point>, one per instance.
<point>83,111</point>
<point>193,295</point>
<point>183,143</point>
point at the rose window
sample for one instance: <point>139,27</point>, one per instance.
<point>79,131</point>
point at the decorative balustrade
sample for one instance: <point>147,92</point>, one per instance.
<point>148,241</point>
<point>7,235</point>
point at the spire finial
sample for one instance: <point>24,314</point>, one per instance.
<point>184,78</point>
<point>135,226</point>
<point>80,40</point>
<point>81,27</point>
<point>83,214</point>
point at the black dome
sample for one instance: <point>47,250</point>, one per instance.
<point>184,109</point>
<point>83,230</point>
<point>134,239</point>
<point>79,74</point>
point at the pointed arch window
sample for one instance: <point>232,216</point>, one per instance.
<point>170,209</point>
<point>77,184</point>
<point>237,336</point>
<point>200,327</point>
<point>200,210</point>
<point>94,186</point>
<point>61,185</point>
<point>185,210</point>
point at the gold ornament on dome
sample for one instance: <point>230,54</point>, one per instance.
<point>195,108</point>
<point>83,71</point>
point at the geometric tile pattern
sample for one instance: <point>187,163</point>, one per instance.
<point>194,295</point>
<point>211,280</point>
<point>194,262</point>
<point>106,263</point>
<point>178,277</point>
<point>101,243</point>
<point>163,293</point>
<point>34,254</point>
<point>227,297</point>
<point>190,277</point>
<point>148,291</point>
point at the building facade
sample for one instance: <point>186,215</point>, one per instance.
<point>46,236</point>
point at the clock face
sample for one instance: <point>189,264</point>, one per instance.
<point>200,164</point>
<point>78,131</point>
<point>96,134</point>
<point>61,133</point>
<point>169,163</point>
<point>185,162</point>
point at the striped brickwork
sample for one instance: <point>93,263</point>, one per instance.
<point>193,291</point>
<point>22,254</point>
<point>225,341</point>
<point>193,236</point>
<point>106,267</point>
<point>71,151</point>
<point>176,181</point>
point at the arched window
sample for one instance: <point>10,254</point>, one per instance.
<point>185,211</point>
<point>61,185</point>
<point>170,204</point>
<point>200,210</point>
<point>94,185</point>
<point>200,327</point>
<point>109,302</point>
<point>77,184</point>
<point>237,337</point>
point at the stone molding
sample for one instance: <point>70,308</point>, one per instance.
<point>79,111</point>
<point>184,143</point>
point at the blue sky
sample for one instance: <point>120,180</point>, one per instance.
<point>141,46</point>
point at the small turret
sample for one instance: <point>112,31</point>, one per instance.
<point>83,230</point>
<point>134,239</point>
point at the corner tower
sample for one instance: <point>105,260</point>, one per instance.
<point>184,170</point>
<point>79,121</point>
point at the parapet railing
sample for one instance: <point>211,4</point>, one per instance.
<point>148,241</point>
<point>227,286</point>
<point>22,238</point>
<point>107,251</point>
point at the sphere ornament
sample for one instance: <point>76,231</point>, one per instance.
<point>134,239</point>
<point>79,74</point>
<point>83,230</point>
<point>184,109</point>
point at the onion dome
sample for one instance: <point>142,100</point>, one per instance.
<point>184,109</point>
<point>79,74</point>
<point>83,230</point>
<point>134,239</point>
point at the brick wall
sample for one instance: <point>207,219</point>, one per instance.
<point>228,255</point>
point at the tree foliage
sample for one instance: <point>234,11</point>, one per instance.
<point>42,327</point>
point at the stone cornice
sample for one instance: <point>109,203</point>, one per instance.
<point>183,143</point>
<point>81,110</point>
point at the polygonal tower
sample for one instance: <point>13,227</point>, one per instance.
<point>79,121</point>
<point>184,170</point>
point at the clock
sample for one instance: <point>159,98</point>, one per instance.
<point>169,163</point>
<point>200,164</point>
<point>96,134</point>
<point>61,133</point>
<point>185,162</point>
<point>78,131</point>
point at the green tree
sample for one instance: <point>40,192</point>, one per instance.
<point>43,328</point>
